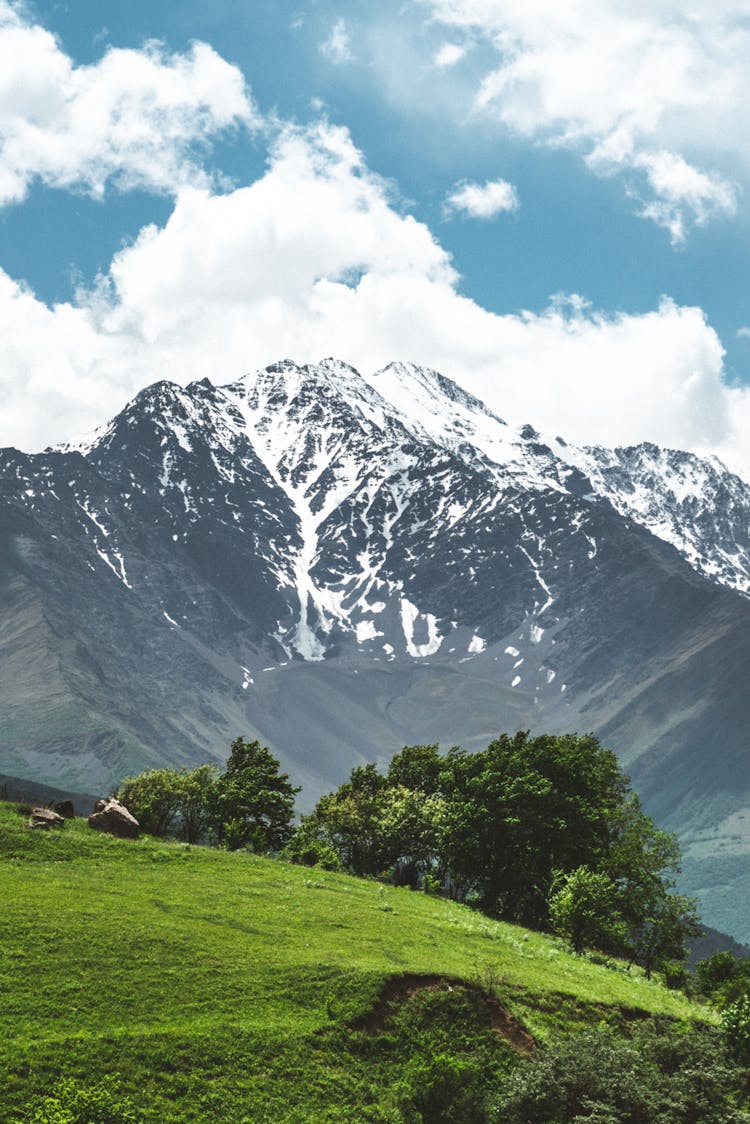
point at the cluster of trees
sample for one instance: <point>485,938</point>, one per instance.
<point>250,804</point>
<point>541,831</point>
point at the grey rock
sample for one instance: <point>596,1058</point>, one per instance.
<point>45,818</point>
<point>114,818</point>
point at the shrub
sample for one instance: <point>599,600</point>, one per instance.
<point>583,910</point>
<point>735,1028</point>
<point>444,1090</point>
<point>306,850</point>
<point>664,1074</point>
<point>70,1103</point>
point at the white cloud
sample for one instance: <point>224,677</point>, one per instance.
<point>313,259</point>
<point>483,201</point>
<point>134,119</point>
<point>337,47</point>
<point>743,333</point>
<point>679,192</point>
<point>652,91</point>
<point>448,55</point>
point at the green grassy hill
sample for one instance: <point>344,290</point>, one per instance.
<point>225,987</point>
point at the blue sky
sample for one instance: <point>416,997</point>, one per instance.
<point>598,289</point>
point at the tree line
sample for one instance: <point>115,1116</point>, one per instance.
<point>541,831</point>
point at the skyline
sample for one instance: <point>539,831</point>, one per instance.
<point>548,207</point>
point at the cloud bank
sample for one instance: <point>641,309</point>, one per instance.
<point>653,92</point>
<point>314,258</point>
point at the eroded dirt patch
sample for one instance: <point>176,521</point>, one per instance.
<point>399,989</point>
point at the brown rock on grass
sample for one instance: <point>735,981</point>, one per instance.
<point>45,818</point>
<point>114,818</point>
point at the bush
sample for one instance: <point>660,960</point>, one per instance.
<point>735,1028</point>
<point>70,1103</point>
<point>583,910</point>
<point>444,1090</point>
<point>664,1074</point>
<point>305,850</point>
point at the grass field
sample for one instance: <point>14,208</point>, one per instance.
<point>226,987</point>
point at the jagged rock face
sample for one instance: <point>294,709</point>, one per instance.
<point>339,565</point>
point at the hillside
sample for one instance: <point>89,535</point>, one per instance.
<point>233,988</point>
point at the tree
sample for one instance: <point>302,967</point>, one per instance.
<point>377,827</point>
<point>497,828</point>
<point>171,801</point>
<point>724,978</point>
<point>417,767</point>
<point>670,919</point>
<point>735,1029</point>
<point>583,910</point>
<point>252,803</point>
<point>713,974</point>
<point>153,798</point>
<point>197,791</point>
<point>523,809</point>
<point>641,861</point>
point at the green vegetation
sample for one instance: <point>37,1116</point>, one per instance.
<point>250,804</point>
<point>542,831</point>
<point>299,975</point>
<point>658,1076</point>
<point>159,981</point>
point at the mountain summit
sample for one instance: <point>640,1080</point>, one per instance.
<point>340,564</point>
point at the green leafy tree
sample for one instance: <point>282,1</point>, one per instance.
<point>418,768</point>
<point>197,791</point>
<point>723,978</point>
<point>348,821</point>
<point>521,810</point>
<point>661,936</point>
<point>715,972</point>
<point>171,801</point>
<point>378,828</point>
<point>583,909</point>
<point>252,802</point>
<point>154,799</point>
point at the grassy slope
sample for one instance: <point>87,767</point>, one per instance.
<point>221,986</point>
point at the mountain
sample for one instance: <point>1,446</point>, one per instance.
<point>340,565</point>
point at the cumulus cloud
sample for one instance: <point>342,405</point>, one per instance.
<point>448,55</point>
<point>136,118</point>
<point>482,201</point>
<point>650,91</point>
<point>314,259</point>
<point>337,47</point>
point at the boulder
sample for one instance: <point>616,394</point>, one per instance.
<point>65,809</point>
<point>114,818</point>
<point>45,818</point>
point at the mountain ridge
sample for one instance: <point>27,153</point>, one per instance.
<point>340,564</point>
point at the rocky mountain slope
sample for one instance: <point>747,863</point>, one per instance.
<point>339,565</point>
